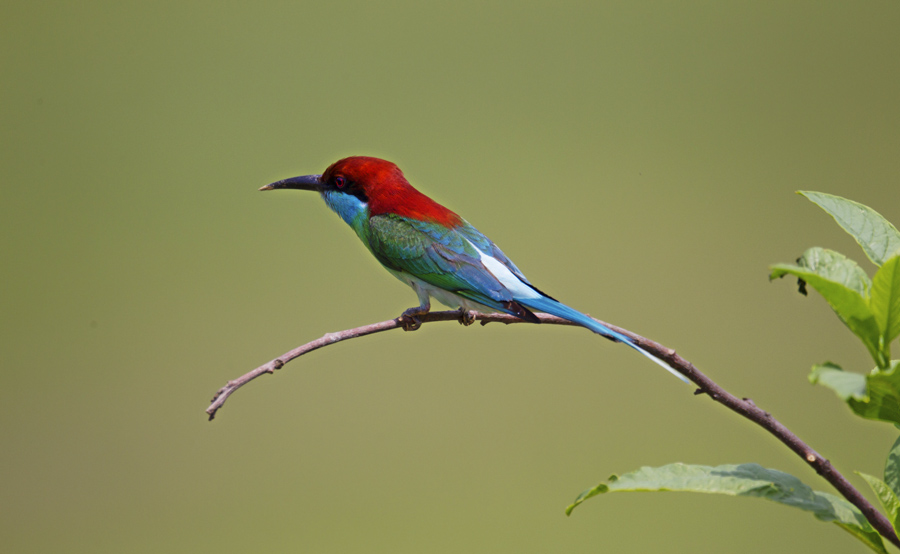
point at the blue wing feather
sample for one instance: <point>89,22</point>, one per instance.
<point>446,258</point>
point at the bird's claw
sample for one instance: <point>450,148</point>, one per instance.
<point>466,317</point>
<point>409,320</point>
<point>409,323</point>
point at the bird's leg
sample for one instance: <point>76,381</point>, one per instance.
<point>409,319</point>
<point>466,317</point>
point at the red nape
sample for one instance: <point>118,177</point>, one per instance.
<point>388,190</point>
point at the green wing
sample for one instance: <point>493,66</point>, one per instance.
<point>442,257</point>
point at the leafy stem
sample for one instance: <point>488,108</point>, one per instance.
<point>707,386</point>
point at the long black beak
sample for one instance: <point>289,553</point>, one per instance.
<point>304,182</point>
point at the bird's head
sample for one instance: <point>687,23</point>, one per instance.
<point>361,182</point>
<point>358,176</point>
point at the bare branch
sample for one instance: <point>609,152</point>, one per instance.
<point>330,338</point>
<point>744,407</point>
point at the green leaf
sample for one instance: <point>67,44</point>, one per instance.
<point>743,480</point>
<point>885,301</point>
<point>888,498</point>
<point>836,267</point>
<point>883,388</point>
<point>845,287</point>
<point>879,239</point>
<point>873,396</point>
<point>847,385</point>
<point>892,468</point>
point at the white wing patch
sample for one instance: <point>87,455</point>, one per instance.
<point>506,277</point>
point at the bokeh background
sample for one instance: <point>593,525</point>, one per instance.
<point>636,160</point>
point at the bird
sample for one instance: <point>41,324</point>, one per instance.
<point>433,250</point>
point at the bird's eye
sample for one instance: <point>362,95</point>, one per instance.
<point>339,182</point>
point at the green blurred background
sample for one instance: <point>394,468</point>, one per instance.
<point>637,161</point>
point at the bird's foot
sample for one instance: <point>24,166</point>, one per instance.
<point>466,317</point>
<point>409,319</point>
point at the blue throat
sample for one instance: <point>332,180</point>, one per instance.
<point>350,208</point>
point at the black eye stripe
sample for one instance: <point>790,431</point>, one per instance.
<point>358,193</point>
<point>345,186</point>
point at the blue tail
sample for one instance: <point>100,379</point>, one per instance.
<point>552,307</point>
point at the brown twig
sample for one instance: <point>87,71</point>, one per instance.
<point>744,407</point>
<point>330,338</point>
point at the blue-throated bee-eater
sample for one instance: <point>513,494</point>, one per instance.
<point>432,249</point>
